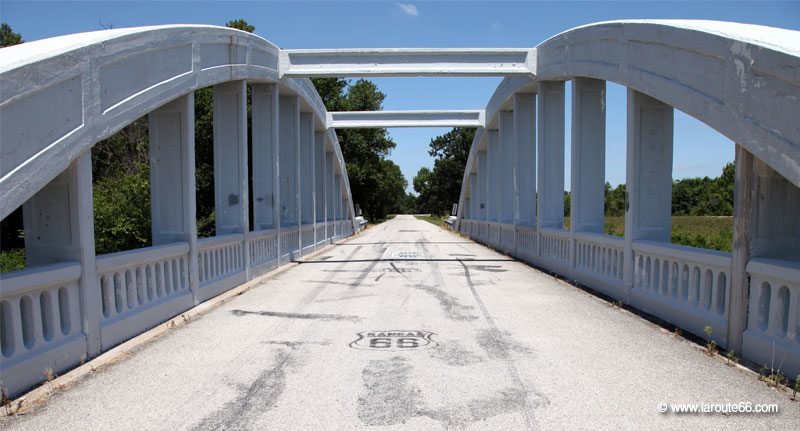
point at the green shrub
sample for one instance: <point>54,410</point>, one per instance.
<point>12,260</point>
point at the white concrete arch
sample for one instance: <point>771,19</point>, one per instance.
<point>62,95</point>
<point>740,79</point>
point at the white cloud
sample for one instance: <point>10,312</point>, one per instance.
<point>408,9</point>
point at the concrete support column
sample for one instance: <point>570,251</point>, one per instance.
<point>475,198</point>
<point>172,179</point>
<point>551,155</point>
<point>588,155</point>
<point>483,185</point>
<point>230,157</point>
<point>319,186</point>
<point>265,155</point>
<point>745,196</point>
<point>337,197</point>
<point>508,190</point>
<point>231,200</point>
<point>525,158</point>
<point>59,226</point>
<point>648,174</point>
<point>493,173</point>
<point>306,155</point>
<point>330,206</point>
<point>289,144</point>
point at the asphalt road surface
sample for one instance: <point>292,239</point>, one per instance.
<point>408,326</point>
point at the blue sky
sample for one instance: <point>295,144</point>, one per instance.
<point>698,149</point>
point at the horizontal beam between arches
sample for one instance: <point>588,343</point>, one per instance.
<point>407,62</point>
<point>385,119</point>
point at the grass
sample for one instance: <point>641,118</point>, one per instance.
<point>715,233</point>
<point>371,223</point>
<point>436,220</point>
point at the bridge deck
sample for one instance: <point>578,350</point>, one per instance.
<point>513,348</point>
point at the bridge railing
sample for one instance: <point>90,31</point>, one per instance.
<point>263,249</point>
<point>221,264</point>
<point>40,323</point>
<point>142,288</point>
<point>685,286</point>
<point>772,337</point>
<point>599,262</point>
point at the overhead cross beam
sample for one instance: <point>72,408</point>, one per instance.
<point>385,119</point>
<point>407,62</point>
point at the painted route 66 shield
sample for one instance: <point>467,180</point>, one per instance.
<point>395,340</point>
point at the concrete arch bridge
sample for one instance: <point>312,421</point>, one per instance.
<point>60,96</point>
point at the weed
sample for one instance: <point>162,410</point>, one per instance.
<point>796,387</point>
<point>678,333</point>
<point>711,345</point>
<point>732,359</point>
<point>5,401</point>
<point>774,379</point>
<point>48,374</point>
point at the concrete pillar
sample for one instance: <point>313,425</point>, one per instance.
<point>337,197</point>
<point>744,200</point>
<point>525,158</point>
<point>588,155</point>
<point>319,186</point>
<point>648,174</point>
<point>776,224</point>
<point>59,226</point>
<point>474,196</point>
<point>230,157</point>
<point>306,155</point>
<point>551,155</point>
<point>289,143</point>
<point>319,177</point>
<point>508,191</point>
<point>493,174</point>
<point>265,155</point>
<point>330,206</point>
<point>483,185</point>
<point>172,179</point>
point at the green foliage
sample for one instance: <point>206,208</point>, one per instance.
<point>377,184</point>
<point>12,260</point>
<point>8,37</point>
<point>122,211</point>
<point>690,196</point>
<point>241,24</point>
<point>440,188</point>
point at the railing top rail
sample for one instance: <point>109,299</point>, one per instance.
<point>683,252</point>
<point>220,240</point>
<point>113,261</point>
<point>29,279</point>
<point>554,232</point>
<point>614,240</point>
<point>772,268</point>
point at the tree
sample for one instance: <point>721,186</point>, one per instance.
<point>376,183</point>
<point>8,37</point>
<point>240,24</point>
<point>440,188</point>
